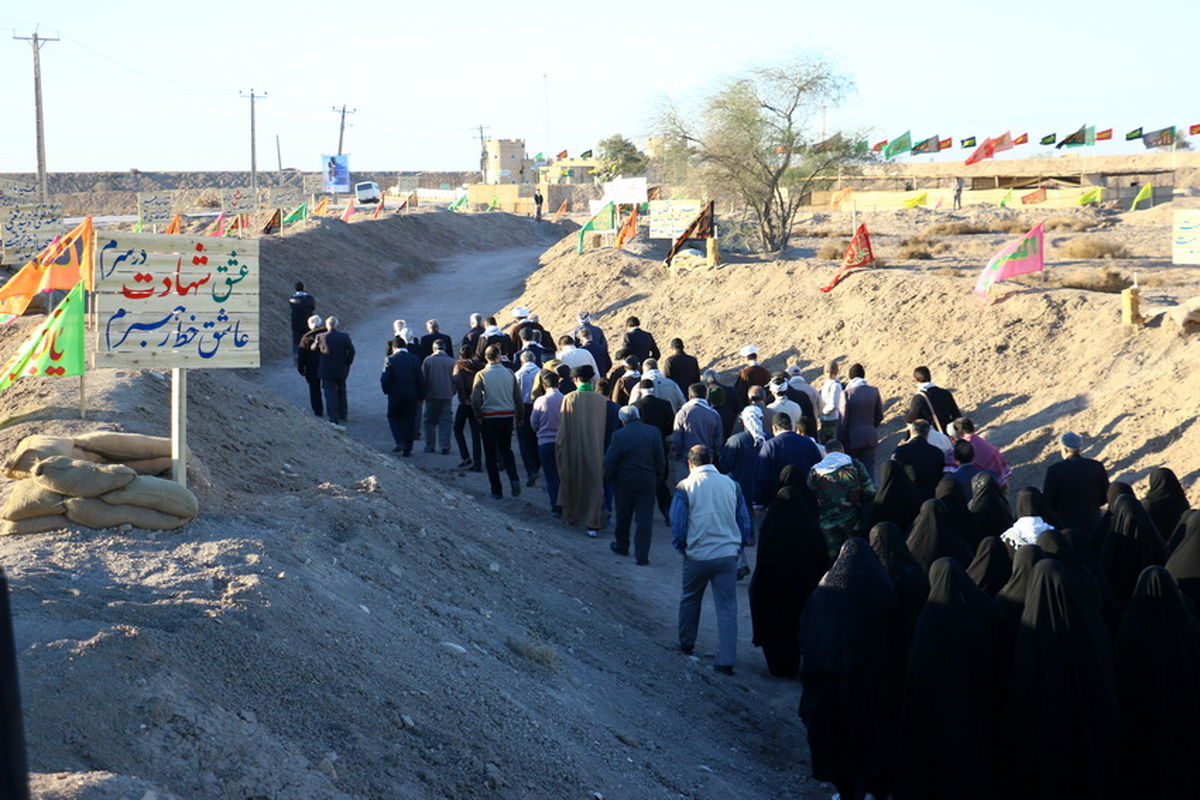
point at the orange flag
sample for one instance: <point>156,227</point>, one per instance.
<point>1038,196</point>
<point>176,225</point>
<point>378,209</point>
<point>858,254</point>
<point>63,263</point>
<point>628,230</point>
<point>349,212</point>
<point>561,210</point>
<point>322,208</point>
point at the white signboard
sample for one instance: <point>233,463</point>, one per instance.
<point>237,201</point>
<point>1185,237</point>
<point>625,191</point>
<point>176,301</point>
<point>155,208</point>
<point>21,191</point>
<point>287,197</point>
<point>29,228</point>
<point>407,184</point>
<point>311,184</point>
<point>670,218</point>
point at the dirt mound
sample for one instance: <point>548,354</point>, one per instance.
<point>1038,363</point>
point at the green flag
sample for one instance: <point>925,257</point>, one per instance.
<point>1136,133</point>
<point>137,227</point>
<point>301,213</point>
<point>968,142</point>
<point>495,202</point>
<point>899,145</point>
<point>1145,193</point>
<point>605,220</point>
<point>539,157</point>
<point>458,203</point>
<point>586,154</point>
<point>1006,199</point>
<point>55,348</point>
<point>1049,138</point>
<point>1090,196</point>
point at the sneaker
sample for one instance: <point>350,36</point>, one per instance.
<point>591,533</point>
<point>724,669</point>
<point>617,549</point>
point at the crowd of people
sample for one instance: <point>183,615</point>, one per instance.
<point>950,643</point>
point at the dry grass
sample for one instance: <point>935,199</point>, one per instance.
<point>538,653</point>
<point>832,251</point>
<point>1016,225</point>
<point>1105,280</point>
<point>919,248</point>
<point>1094,247</point>
<point>960,228</point>
<point>948,272</point>
<point>1068,224</point>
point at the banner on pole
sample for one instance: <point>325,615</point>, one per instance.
<point>311,184</point>
<point>336,173</point>
<point>237,201</point>
<point>670,218</point>
<point>284,197</point>
<point>176,301</point>
<point>19,191</point>
<point>29,228</point>
<point>155,208</point>
<point>56,348</point>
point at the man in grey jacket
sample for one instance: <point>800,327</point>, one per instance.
<point>437,371</point>
<point>496,401</point>
<point>711,523</point>
<point>634,463</point>
<point>697,423</point>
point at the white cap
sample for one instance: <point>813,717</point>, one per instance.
<point>520,312</point>
<point>748,350</point>
<point>793,370</point>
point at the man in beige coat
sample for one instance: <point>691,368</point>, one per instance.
<point>579,452</point>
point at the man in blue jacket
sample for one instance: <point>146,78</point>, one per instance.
<point>404,385</point>
<point>786,449</point>
<point>337,354</point>
<point>634,463</point>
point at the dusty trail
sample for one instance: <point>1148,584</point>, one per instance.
<point>450,295</point>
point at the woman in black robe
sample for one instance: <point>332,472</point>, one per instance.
<point>848,705</point>
<point>1085,571</point>
<point>1132,544</point>
<point>908,577</point>
<point>896,501</point>
<point>1165,501</point>
<point>1063,718</point>
<point>950,492</point>
<point>1184,563</point>
<point>992,566</point>
<point>1104,525</point>
<point>1180,531</point>
<point>792,557</point>
<point>989,506</point>
<point>1032,503</point>
<point>952,711</point>
<point>933,536</point>
<point>792,475</point>
<point>1157,658</point>
<point>14,772</point>
<point>1010,600</point>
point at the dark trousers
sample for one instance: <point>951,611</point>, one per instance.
<point>867,456</point>
<point>697,575</point>
<point>661,490</point>
<point>463,416</point>
<point>496,433</point>
<point>402,419</point>
<point>550,470</point>
<point>314,396</point>
<point>527,443</point>
<point>634,505</point>
<point>335,399</point>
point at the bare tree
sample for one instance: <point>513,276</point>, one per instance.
<point>753,139</point>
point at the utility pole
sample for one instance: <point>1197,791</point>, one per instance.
<point>279,159</point>
<point>253,148</point>
<point>37,42</point>
<point>342,127</point>
<point>482,157</point>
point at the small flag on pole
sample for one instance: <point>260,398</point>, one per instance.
<point>1136,133</point>
<point>930,145</point>
<point>918,199</point>
<point>1091,196</point>
<point>1016,258</point>
<point>349,212</point>
<point>59,266</point>
<point>945,144</point>
<point>1003,142</point>
<point>1004,201</point>
<point>495,202</point>
<point>586,154</point>
<point>321,208</point>
<point>858,254</point>
<point>275,223</point>
<point>967,142</point>
<point>300,214</point>
<point>1194,130</point>
<point>56,348</point>
<point>379,208</point>
<point>218,228</point>
<point>1145,193</point>
<point>878,146</point>
<point>1034,197</point>
<point>563,154</point>
<point>539,157</point>
<point>561,210</point>
<point>176,225</point>
<point>629,229</point>
<point>984,151</point>
<point>897,146</point>
<point>1104,135</point>
<point>1164,137</point>
<point>1022,139</point>
<point>1049,138</point>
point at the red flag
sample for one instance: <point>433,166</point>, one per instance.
<point>985,150</point>
<point>1022,139</point>
<point>880,145</point>
<point>1194,130</point>
<point>563,154</point>
<point>349,212</point>
<point>858,254</point>
<point>1002,142</point>
<point>945,144</point>
<point>1034,197</point>
<point>378,209</point>
<point>1102,135</point>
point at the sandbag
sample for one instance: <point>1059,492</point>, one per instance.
<point>80,478</point>
<point>52,522</point>
<point>79,454</point>
<point>33,449</point>
<point>115,446</point>
<point>150,466</point>
<point>95,513</point>
<point>27,499</point>
<point>156,493</point>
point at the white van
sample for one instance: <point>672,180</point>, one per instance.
<point>367,192</point>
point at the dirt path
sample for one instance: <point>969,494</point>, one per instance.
<point>644,601</point>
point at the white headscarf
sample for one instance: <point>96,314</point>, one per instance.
<point>752,420</point>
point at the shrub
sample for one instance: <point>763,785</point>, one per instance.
<point>539,653</point>
<point>1094,247</point>
<point>1105,280</point>
<point>959,228</point>
<point>1068,224</point>
<point>832,251</point>
<point>918,248</point>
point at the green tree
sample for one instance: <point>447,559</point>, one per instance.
<point>620,157</point>
<point>753,140</point>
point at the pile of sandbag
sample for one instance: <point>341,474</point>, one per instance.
<point>100,480</point>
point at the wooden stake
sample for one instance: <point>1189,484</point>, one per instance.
<point>179,426</point>
<point>82,398</point>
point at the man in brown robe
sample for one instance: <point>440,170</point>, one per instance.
<point>580,453</point>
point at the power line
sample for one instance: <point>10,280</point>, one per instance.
<point>37,42</point>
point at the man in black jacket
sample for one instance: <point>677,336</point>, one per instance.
<point>923,462</point>
<point>302,305</point>
<point>471,337</point>
<point>931,402</point>
<point>634,463</point>
<point>1076,487</point>
<point>435,335</point>
<point>639,343</point>
<point>658,414</point>
<point>402,382</point>
<point>309,363</point>
<point>337,354</point>
<point>681,367</point>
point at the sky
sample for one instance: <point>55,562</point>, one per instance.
<point>134,84</point>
